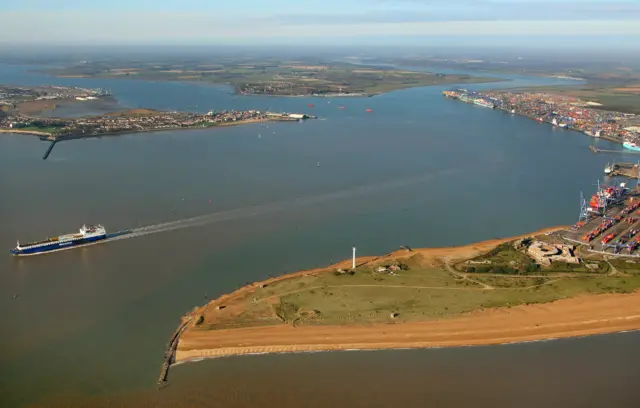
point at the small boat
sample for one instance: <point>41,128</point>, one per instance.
<point>318,165</point>
<point>608,169</point>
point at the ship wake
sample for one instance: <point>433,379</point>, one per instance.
<point>288,205</point>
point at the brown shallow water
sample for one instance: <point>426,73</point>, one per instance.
<point>599,371</point>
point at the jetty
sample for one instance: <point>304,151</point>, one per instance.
<point>48,152</point>
<point>169,354</point>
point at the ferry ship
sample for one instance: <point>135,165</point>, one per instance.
<point>86,234</point>
<point>482,102</point>
<point>627,144</point>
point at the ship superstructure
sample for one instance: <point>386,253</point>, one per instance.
<point>86,234</point>
<point>470,97</point>
<point>483,102</point>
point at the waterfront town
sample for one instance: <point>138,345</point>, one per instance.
<point>137,120</point>
<point>560,111</point>
<point>19,105</point>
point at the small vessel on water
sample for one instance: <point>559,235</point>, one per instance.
<point>86,234</point>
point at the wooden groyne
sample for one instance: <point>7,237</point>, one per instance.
<point>170,352</point>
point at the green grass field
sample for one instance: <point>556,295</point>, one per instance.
<point>418,293</point>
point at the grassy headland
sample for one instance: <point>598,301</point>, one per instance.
<point>417,298</point>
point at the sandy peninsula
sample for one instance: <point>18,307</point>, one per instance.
<point>224,327</point>
<point>581,316</point>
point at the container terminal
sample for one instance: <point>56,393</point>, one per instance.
<point>609,223</point>
<point>562,112</point>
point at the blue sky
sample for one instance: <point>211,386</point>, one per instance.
<point>296,22</point>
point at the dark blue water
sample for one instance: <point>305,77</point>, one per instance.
<point>420,170</point>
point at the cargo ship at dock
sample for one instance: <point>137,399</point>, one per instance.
<point>485,103</point>
<point>85,235</point>
<point>469,97</point>
<point>631,145</point>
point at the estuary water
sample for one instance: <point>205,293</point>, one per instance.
<point>89,326</point>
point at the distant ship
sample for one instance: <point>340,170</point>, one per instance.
<point>85,235</point>
<point>631,145</point>
<point>482,102</point>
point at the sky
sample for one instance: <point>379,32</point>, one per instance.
<point>323,22</point>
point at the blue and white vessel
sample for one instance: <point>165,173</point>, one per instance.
<point>86,234</point>
<point>628,144</point>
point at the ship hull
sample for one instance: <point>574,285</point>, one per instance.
<point>55,246</point>
<point>484,104</point>
<point>631,146</point>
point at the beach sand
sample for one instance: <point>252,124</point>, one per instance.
<point>579,316</point>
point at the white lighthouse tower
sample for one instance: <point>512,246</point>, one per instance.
<point>353,262</point>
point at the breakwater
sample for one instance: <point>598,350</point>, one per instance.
<point>169,354</point>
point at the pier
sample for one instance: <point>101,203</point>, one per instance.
<point>48,152</point>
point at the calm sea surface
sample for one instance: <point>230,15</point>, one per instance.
<point>89,325</point>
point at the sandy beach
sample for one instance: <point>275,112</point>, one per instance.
<point>578,316</point>
<point>25,132</point>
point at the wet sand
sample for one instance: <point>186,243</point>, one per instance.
<point>579,316</point>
